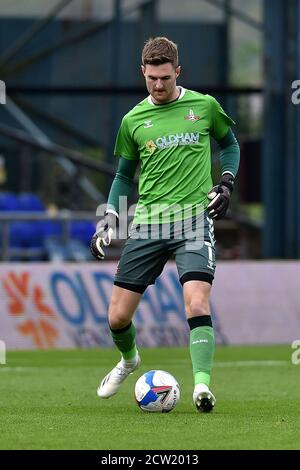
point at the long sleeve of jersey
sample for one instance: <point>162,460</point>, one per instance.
<point>122,184</point>
<point>229,155</point>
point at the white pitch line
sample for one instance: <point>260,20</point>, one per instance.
<point>4,368</point>
<point>220,364</point>
<point>250,363</point>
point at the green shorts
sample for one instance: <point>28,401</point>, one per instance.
<point>148,248</point>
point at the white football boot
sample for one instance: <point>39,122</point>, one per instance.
<point>203,398</point>
<point>114,379</point>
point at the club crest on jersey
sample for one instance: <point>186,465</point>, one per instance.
<point>150,146</point>
<point>191,116</point>
<point>148,124</point>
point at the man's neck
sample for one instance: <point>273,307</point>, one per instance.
<point>175,97</point>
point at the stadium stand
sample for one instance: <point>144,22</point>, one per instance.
<point>30,235</point>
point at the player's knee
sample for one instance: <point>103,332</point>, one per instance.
<point>117,323</point>
<point>197,307</point>
<point>117,318</point>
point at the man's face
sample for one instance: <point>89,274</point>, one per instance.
<point>161,81</point>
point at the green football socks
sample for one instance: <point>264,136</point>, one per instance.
<point>202,347</point>
<point>124,339</point>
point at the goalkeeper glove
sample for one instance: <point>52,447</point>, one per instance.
<point>220,196</point>
<point>104,234</point>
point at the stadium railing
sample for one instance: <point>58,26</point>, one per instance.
<point>41,236</point>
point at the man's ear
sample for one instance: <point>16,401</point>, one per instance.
<point>177,71</point>
<point>143,68</point>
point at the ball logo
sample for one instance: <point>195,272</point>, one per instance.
<point>162,392</point>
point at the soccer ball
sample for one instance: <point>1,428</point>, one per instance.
<point>157,390</point>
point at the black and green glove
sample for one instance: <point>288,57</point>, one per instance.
<point>220,197</point>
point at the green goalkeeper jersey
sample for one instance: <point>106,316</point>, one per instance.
<point>172,142</point>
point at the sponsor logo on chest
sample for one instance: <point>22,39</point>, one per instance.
<point>172,140</point>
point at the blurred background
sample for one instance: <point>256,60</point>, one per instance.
<point>71,70</point>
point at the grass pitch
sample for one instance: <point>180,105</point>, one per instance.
<point>48,401</point>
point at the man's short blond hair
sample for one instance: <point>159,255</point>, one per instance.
<point>160,50</point>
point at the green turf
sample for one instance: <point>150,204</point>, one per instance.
<point>48,401</point>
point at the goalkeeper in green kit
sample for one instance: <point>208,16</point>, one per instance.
<point>168,134</point>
